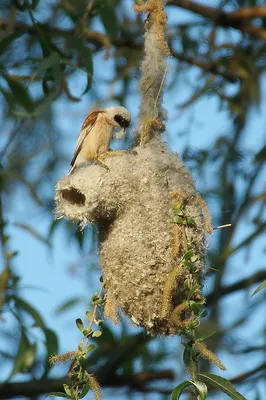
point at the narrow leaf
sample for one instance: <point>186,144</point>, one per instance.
<point>51,344</point>
<point>58,394</point>
<point>25,356</point>
<point>109,20</point>
<point>6,40</point>
<point>20,93</point>
<point>67,305</point>
<point>33,232</point>
<point>85,390</point>
<point>85,54</point>
<point>200,387</point>
<point>259,288</point>
<point>223,384</point>
<point>22,304</point>
<point>47,63</point>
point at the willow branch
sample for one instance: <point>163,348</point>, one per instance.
<point>235,19</point>
<point>240,285</point>
<point>137,382</point>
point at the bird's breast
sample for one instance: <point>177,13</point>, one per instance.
<point>99,138</point>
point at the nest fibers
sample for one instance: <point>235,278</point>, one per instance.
<point>140,246</point>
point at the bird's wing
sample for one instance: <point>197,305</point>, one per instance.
<point>87,126</point>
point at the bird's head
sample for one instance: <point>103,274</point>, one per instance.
<point>119,116</point>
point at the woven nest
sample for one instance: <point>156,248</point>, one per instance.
<point>149,217</point>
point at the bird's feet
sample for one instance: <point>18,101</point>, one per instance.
<point>99,161</point>
<point>112,153</point>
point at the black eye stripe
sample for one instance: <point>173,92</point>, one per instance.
<point>121,121</point>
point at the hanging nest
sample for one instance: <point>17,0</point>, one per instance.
<point>149,217</point>
<point>152,224</point>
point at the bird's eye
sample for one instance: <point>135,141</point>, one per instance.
<point>121,121</point>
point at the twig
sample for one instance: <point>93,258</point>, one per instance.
<point>214,297</point>
<point>222,226</point>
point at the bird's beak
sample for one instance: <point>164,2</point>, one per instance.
<point>120,134</point>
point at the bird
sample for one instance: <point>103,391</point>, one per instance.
<point>96,134</point>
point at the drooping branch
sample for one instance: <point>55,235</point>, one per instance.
<point>137,382</point>
<point>99,41</point>
<point>240,285</point>
<point>235,19</point>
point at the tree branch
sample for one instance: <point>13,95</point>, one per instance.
<point>100,40</point>
<point>240,285</point>
<point>136,382</point>
<point>212,68</point>
<point>245,13</point>
<point>235,19</point>
<point>248,374</point>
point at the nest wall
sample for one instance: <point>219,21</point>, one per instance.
<point>140,245</point>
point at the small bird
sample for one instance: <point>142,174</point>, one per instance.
<point>96,134</point>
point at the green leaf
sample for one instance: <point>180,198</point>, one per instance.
<point>194,307</point>
<point>90,348</point>
<point>223,384</point>
<point>33,232</point>
<point>22,304</point>
<point>188,254</point>
<point>20,93</point>
<point>97,333</point>
<point>85,390</point>
<point>67,389</point>
<point>89,315</point>
<point>87,332</point>
<point>178,211</point>
<point>80,324</point>
<point>25,356</point>
<point>82,362</point>
<point>99,302</point>
<point>66,305</point>
<point>47,63</point>
<point>6,40</point>
<point>200,387</point>
<point>51,344</point>
<point>85,54</point>
<point>58,394</point>
<point>205,336</point>
<point>259,288</point>
<point>109,19</point>
<point>187,355</point>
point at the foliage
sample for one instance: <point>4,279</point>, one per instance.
<point>50,61</point>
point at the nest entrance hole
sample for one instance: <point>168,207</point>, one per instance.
<point>73,196</point>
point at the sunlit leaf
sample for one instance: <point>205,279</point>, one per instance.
<point>259,288</point>
<point>223,384</point>
<point>97,334</point>
<point>200,387</point>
